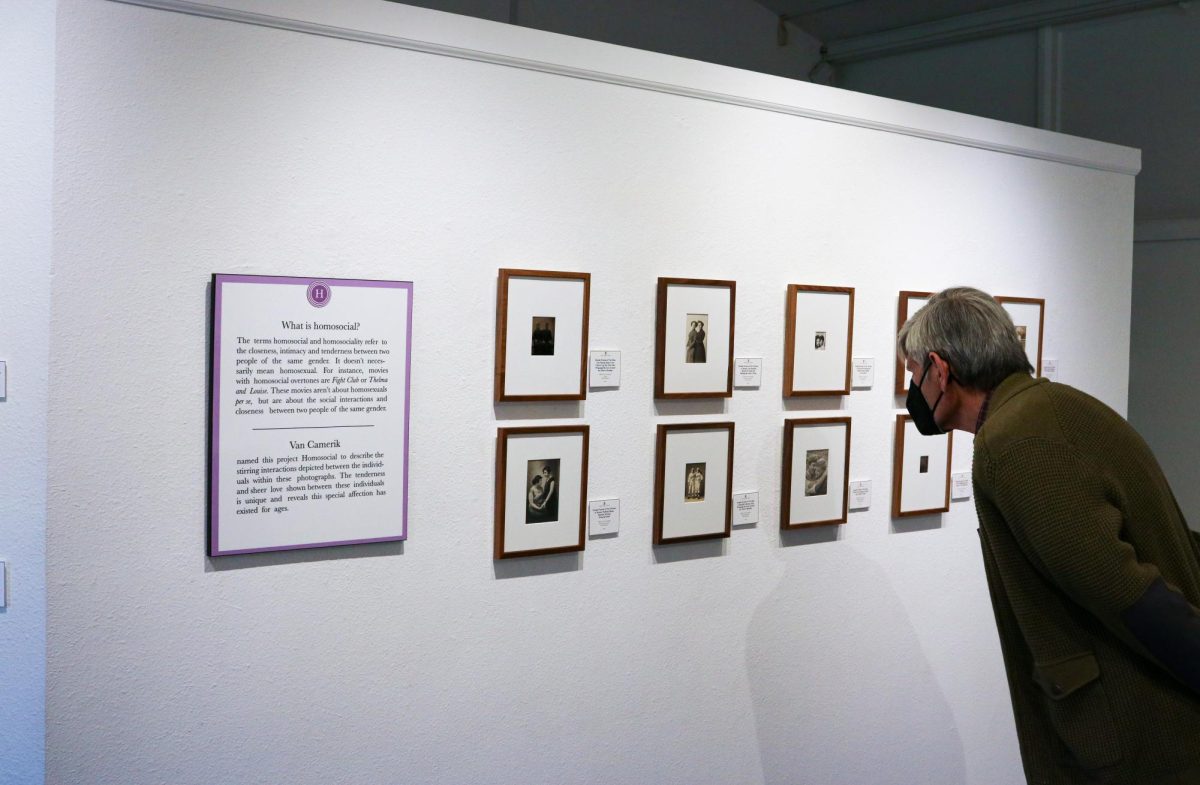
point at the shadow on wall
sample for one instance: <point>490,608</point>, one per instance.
<point>841,690</point>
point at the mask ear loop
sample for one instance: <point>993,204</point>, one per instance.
<point>949,378</point>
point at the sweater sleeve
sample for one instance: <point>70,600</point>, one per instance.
<point>1056,505</point>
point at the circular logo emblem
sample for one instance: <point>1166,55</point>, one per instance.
<point>319,294</point>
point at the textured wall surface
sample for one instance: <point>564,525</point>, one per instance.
<point>26,139</point>
<point>188,146</point>
<point>1164,359</point>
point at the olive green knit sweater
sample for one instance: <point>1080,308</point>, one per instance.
<point>1095,581</point>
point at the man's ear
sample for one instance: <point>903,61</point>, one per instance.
<point>943,367</point>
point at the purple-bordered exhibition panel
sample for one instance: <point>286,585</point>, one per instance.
<point>317,293</point>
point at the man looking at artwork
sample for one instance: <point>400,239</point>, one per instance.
<point>1093,572</point>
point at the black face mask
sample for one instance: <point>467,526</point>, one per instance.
<point>920,411</point>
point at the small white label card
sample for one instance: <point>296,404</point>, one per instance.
<point>604,369</point>
<point>747,371</point>
<point>1050,369</point>
<point>864,372</point>
<point>860,494</point>
<point>745,508</point>
<point>960,485</point>
<point>604,516</point>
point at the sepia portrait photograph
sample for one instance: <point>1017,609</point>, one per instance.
<point>541,501</point>
<point>543,335</point>
<point>819,342</point>
<point>697,338</point>
<point>693,339</point>
<point>693,484</point>
<point>693,473</point>
<point>816,466</point>
<point>1021,332</point>
<point>816,472</point>
<point>541,489</point>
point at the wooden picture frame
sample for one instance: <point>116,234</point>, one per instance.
<point>816,354</point>
<point>917,455</point>
<point>691,361</point>
<point>541,335</point>
<point>1025,313</point>
<point>693,481</point>
<point>541,482</point>
<point>819,495</point>
<point>904,310</point>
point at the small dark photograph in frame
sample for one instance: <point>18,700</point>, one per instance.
<point>543,336</point>
<point>819,342</point>
<point>920,471</point>
<point>541,501</point>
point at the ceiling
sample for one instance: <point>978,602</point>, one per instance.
<point>833,20</point>
<point>861,29</point>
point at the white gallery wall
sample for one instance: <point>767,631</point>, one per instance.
<point>442,150</point>
<point>26,162</point>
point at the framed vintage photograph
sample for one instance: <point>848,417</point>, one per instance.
<point>693,356</point>
<point>817,341</point>
<point>1028,315</point>
<point>541,490</point>
<point>541,335</point>
<point>816,471</point>
<point>920,471</point>
<point>309,425</point>
<point>693,478</point>
<point>910,303</point>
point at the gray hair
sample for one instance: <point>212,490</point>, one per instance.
<point>970,331</point>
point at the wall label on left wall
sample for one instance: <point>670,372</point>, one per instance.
<point>310,412</point>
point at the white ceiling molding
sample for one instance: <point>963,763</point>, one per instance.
<point>450,35</point>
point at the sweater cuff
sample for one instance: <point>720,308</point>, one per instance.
<point>1168,627</point>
